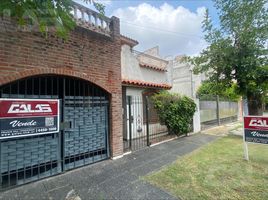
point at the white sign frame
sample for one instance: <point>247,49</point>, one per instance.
<point>35,134</point>
<point>245,143</point>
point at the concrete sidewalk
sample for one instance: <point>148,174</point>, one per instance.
<point>112,179</point>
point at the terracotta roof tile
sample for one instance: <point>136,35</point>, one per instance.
<point>145,84</point>
<point>153,67</point>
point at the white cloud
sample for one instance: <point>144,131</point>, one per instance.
<point>175,30</point>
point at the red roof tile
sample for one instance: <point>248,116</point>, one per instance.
<point>145,84</point>
<point>153,67</point>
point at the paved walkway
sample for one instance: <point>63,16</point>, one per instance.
<point>225,129</point>
<point>112,179</point>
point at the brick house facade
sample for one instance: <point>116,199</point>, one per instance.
<point>86,55</point>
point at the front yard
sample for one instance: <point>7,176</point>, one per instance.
<point>217,171</point>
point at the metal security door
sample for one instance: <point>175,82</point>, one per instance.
<point>85,109</point>
<point>30,158</point>
<point>136,136</point>
<point>83,139</point>
<point>142,124</point>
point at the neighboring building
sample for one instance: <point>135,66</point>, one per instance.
<point>143,74</point>
<point>184,81</point>
<point>84,73</point>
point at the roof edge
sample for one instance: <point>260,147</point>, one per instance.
<point>145,84</point>
<point>129,41</point>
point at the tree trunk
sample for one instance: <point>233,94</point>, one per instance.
<point>255,104</point>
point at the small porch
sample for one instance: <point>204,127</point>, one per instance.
<point>141,124</point>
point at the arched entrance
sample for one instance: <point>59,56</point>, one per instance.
<point>83,136</point>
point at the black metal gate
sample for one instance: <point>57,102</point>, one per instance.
<point>83,138</point>
<point>142,126</point>
<point>85,109</point>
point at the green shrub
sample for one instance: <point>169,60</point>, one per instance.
<point>175,111</point>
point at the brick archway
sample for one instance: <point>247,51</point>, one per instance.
<point>41,71</point>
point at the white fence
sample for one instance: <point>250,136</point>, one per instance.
<point>216,112</point>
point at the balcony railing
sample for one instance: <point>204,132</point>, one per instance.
<point>91,20</point>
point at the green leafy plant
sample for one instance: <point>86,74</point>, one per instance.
<point>44,13</point>
<point>175,111</point>
<point>209,89</point>
<point>237,49</point>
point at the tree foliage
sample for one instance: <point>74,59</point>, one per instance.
<point>210,89</point>
<point>175,111</point>
<point>44,13</point>
<point>237,50</point>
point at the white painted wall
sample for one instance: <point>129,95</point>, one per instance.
<point>183,79</point>
<point>132,70</point>
<point>186,83</point>
<point>138,127</point>
<point>136,111</point>
<point>196,118</point>
<point>136,92</point>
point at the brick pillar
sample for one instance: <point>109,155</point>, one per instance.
<point>116,97</point>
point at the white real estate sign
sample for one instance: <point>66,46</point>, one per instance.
<point>255,131</point>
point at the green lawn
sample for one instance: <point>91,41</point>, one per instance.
<point>217,171</point>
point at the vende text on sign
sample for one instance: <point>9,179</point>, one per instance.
<point>256,129</point>
<point>27,117</point>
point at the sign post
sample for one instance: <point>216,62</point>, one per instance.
<point>28,117</point>
<point>255,131</point>
<point>245,149</point>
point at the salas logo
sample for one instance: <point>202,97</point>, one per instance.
<point>27,108</point>
<point>258,122</point>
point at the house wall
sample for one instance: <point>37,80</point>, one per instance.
<point>154,51</point>
<point>86,55</point>
<point>136,111</point>
<point>139,125</point>
<point>136,92</point>
<point>132,70</point>
<point>186,83</point>
<point>183,79</point>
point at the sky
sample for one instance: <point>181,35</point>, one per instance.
<point>173,25</point>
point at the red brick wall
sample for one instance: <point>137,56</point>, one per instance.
<point>84,54</point>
